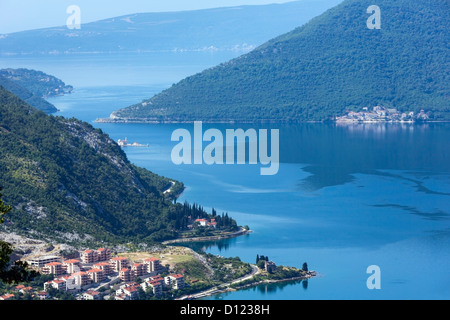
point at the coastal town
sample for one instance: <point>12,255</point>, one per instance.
<point>102,274</point>
<point>382,114</point>
<point>84,277</point>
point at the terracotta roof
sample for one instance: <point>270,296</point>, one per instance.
<point>101,264</point>
<point>58,281</point>
<point>92,292</point>
<point>54,264</point>
<point>22,287</point>
<point>119,258</point>
<point>72,261</point>
<point>151,259</point>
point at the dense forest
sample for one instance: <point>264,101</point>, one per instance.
<point>320,70</point>
<point>68,181</point>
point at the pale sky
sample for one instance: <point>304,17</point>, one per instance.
<point>20,15</point>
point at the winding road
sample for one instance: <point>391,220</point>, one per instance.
<point>223,287</point>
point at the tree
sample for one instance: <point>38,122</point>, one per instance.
<point>18,272</point>
<point>261,264</point>
<point>4,209</point>
<point>305,267</point>
<point>257,258</point>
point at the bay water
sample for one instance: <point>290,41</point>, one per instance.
<point>345,198</point>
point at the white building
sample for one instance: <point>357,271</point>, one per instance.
<point>175,281</point>
<point>42,261</point>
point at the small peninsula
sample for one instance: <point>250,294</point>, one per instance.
<point>34,87</point>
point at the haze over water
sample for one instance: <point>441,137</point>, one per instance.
<point>345,197</point>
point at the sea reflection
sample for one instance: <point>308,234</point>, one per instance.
<point>221,245</point>
<point>333,153</point>
<point>267,291</point>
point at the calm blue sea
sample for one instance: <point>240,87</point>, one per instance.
<point>345,197</point>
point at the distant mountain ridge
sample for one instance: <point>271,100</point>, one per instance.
<point>331,65</point>
<point>233,28</point>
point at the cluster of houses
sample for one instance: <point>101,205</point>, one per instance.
<point>382,114</point>
<point>204,223</point>
<point>97,268</point>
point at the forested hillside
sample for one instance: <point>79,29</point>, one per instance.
<point>68,181</point>
<point>333,64</point>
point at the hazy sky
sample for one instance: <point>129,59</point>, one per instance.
<point>19,15</point>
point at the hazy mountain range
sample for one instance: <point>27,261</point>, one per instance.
<point>233,28</point>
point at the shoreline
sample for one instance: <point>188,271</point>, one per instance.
<point>234,121</point>
<point>242,232</point>
<point>224,288</point>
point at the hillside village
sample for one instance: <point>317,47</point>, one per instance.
<point>382,114</point>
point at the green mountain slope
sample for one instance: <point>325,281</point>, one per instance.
<point>318,71</point>
<point>37,82</point>
<point>70,182</point>
<point>31,98</point>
